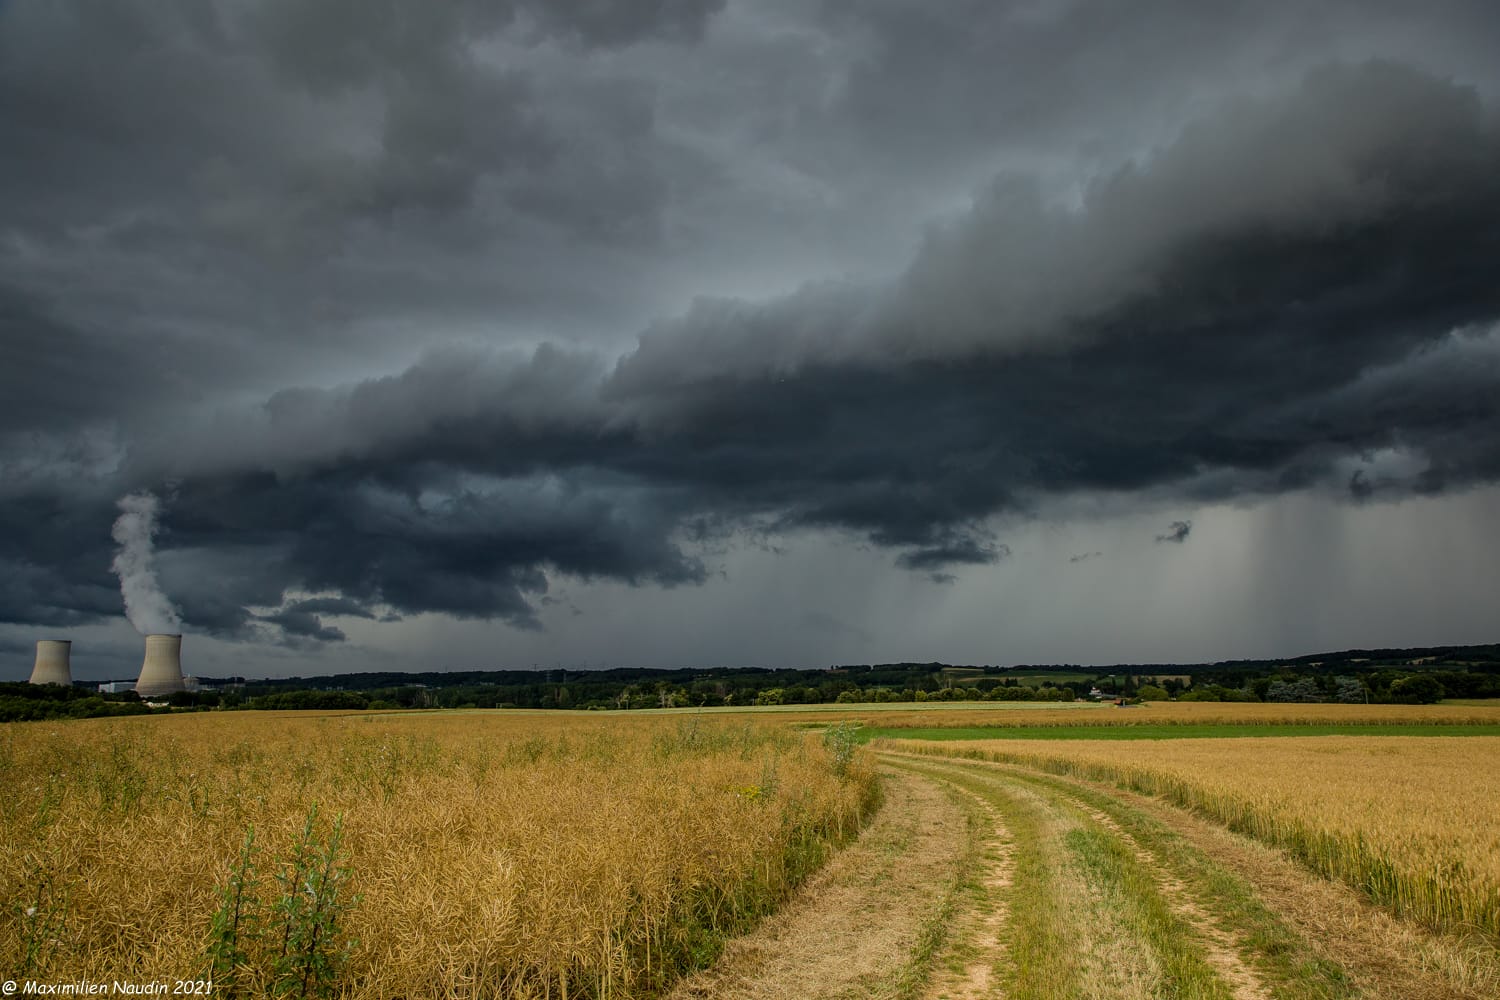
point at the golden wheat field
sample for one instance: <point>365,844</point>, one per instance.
<point>424,855</point>
<point>1408,820</point>
<point>1167,713</point>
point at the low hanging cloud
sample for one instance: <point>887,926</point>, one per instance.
<point>1293,282</point>
<point>1177,532</point>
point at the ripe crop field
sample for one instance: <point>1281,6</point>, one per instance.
<point>1357,864</point>
<point>1411,819</point>
<point>1158,714</point>
<point>1406,821</point>
<point>533,854</point>
<point>1175,731</point>
<point>427,855</point>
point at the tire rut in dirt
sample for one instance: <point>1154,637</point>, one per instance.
<point>853,929</point>
<point>966,970</point>
<point>1304,934</point>
<point>1132,929</point>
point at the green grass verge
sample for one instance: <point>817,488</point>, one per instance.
<point>1440,897</point>
<point>1114,871</point>
<point>1283,959</point>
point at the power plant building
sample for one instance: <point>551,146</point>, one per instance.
<point>53,662</point>
<point>161,672</point>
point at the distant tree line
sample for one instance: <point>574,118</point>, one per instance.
<point>35,702</point>
<point>1404,676</point>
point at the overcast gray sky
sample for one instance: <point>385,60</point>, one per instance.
<point>690,332</point>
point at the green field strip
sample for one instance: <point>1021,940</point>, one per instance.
<point>1278,954</point>
<point>1175,731</point>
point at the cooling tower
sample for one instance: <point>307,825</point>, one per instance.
<point>161,673</point>
<point>53,662</point>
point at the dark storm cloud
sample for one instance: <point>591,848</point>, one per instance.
<point>606,24</point>
<point>330,606</point>
<point>279,180</point>
<point>41,356</point>
<point>303,625</point>
<point>417,539</point>
<point>37,595</point>
<point>1266,300</point>
<point>339,43</point>
<point>1360,487</point>
<point>1177,532</point>
<point>55,551</point>
<point>953,551</point>
<point>955,73</point>
<point>303,620</point>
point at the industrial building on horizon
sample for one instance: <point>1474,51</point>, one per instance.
<point>161,669</point>
<point>53,662</point>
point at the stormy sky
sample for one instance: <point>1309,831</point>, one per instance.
<point>695,332</point>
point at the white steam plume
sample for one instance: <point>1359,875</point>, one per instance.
<point>145,605</point>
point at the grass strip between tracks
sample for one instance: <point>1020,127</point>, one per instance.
<point>1279,956</point>
<point>933,932</point>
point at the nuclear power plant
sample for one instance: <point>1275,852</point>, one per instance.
<point>53,662</point>
<point>161,672</point>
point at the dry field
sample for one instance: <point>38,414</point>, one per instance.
<point>513,854</point>
<point>1409,820</point>
<point>1165,714</point>
<point>405,856</point>
<point>1084,889</point>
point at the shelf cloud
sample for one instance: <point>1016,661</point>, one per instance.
<point>428,320</point>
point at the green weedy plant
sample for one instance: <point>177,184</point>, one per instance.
<point>313,902</point>
<point>236,924</point>
<point>769,778</point>
<point>842,741</point>
<point>289,947</point>
<point>41,926</point>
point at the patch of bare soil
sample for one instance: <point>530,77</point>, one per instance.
<point>851,929</point>
<point>977,943</point>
